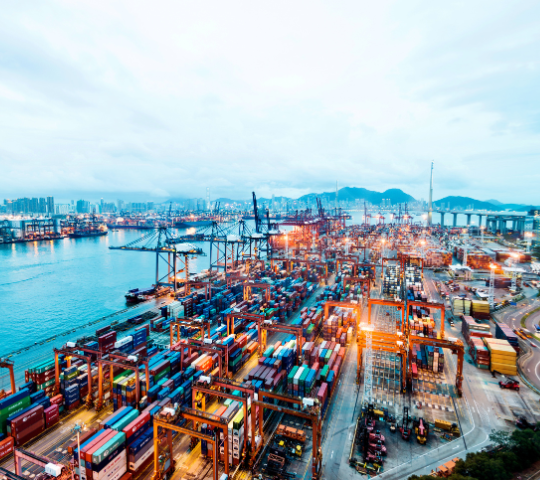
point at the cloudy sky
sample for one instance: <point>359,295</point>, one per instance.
<point>165,98</point>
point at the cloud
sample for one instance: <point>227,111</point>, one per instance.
<point>171,97</point>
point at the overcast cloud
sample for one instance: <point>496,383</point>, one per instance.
<point>167,98</point>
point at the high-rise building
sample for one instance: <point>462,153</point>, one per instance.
<point>42,208</point>
<point>50,205</point>
<point>120,204</point>
<point>83,206</point>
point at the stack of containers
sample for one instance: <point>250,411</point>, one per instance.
<point>480,309</point>
<point>26,425</point>
<point>503,357</point>
<point>470,328</point>
<point>504,332</point>
<point>479,352</point>
<point>13,404</point>
<point>42,374</point>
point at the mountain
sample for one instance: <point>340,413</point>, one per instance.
<point>467,202</point>
<point>393,195</point>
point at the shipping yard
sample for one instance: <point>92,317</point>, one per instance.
<point>309,349</point>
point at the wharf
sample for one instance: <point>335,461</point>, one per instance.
<point>53,443</point>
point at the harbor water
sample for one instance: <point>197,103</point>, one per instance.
<point>49,287</point>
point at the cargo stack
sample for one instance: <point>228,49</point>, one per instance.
<point>480,309</point>
<point>504,332</point>
<point>479,352</point>
<point>469,328</point>
<point>42,374</point>
<point>503,357</point>
<point>461,306</point>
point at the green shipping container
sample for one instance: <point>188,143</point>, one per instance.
<point>42,367</point>
<point>43,386</point>
<point>238,420</point>
<point>14,408</point>
<point>302,379</point>
<point>291,375</point>
<point>162,374</point>
<point>324,372</point>
<point>102,453</point>
<point>125,421</point>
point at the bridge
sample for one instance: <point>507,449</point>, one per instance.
<point>494,221</point>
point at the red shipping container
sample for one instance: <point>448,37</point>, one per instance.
<point>52,415</point>
<point>322,393</point>
<point>57,400</point>
<point>26,432</point>
<point>136,424</point>
<point>6,447</point>
<point>30,417</point>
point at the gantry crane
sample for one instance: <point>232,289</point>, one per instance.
<point>6,363</point>
<point>165,245</point>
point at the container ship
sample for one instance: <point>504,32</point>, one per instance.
<point>88,228</point>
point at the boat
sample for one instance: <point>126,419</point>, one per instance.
<point>134,294</point>
<point>192,223</point>
<point>88,233</point>
<point>88,228</point>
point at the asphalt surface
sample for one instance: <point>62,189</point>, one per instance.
<point>529,361</point>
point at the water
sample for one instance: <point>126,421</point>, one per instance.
<point>49,287</point>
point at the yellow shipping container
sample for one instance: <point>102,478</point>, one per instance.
<point>503,360</point>
<point>505,369</point>
<point>502,351</point>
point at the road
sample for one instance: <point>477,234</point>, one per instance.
<point>482,408</point>
<point>530,360</point>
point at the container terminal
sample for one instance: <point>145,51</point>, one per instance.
<point>325,351</point>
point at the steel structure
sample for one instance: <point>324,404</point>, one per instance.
<point>230,317</point>
<point>165,245</point>
<point>6,363</point>
<point>312,414</point>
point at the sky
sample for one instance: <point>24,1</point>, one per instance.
<point>166,98</point>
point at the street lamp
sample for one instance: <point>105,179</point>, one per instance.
<point>528,236</point>
<point>78,428</point>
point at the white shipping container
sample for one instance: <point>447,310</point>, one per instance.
<point>145,456</point>
<point>298,375</point>
<point>115,469</point>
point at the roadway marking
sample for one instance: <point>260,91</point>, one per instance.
<point>536,371</point>
<point>332,454</point>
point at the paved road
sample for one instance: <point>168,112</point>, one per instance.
<point>529,361</point>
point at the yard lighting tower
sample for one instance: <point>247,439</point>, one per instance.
<point>78,428</point>
<point>528,236</point>
<point>514,257</point>
<point>482,232</point>
<point>465,245</point>
<point>491,290</point>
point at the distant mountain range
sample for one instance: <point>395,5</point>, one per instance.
<point>392,196</point>
<point>468,202</point>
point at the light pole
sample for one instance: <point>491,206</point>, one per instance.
<point>528,236</point>
<point>286,245</point>
<point>78,428</point>
<point>482,232</point>
<point>491,291</point>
